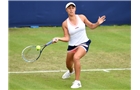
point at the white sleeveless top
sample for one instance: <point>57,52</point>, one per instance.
<point>77,32</point>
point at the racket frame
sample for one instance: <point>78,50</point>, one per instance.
<point>47,44</point>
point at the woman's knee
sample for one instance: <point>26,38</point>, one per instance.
<point>76,58</point>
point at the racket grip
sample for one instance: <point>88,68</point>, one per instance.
<point>50,42</point>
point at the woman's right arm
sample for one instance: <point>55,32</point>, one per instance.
<point>66,36</point>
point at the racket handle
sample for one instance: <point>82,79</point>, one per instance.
<point>50,42</point>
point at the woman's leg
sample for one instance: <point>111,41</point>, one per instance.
<point>76,58</point>
<point>69,61</point>
<point>69,65</point>
<point>77,66</point>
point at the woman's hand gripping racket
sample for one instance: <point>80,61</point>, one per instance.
<point>32,53</point>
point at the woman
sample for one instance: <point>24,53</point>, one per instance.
<point>75,34</point>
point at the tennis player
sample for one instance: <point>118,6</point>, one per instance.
<point>74,28</point>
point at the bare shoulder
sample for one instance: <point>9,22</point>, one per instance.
<point>64,24</point>
<point>65,29</point>
<point>82,16</point>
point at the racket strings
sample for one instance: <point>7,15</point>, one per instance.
<point>30,54</point>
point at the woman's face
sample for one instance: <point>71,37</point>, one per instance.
<point>71,10</point>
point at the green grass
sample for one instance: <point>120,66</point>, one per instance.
<point>110,48</point>
<point>115,80</point>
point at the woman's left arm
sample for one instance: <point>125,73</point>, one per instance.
<point>93,25</point>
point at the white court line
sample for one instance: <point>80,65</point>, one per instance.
<point>84,70</point>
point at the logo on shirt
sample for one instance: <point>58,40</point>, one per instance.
<point>76,27</point>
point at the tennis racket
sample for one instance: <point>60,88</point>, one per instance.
<point>31,54</point>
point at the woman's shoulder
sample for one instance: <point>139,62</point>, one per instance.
<point>64,23</point>
<point>82,16</point>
